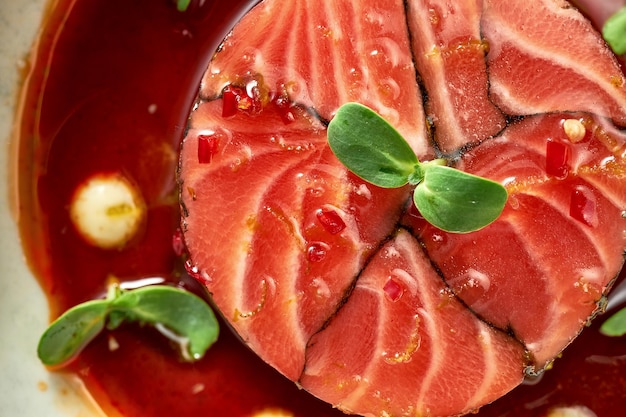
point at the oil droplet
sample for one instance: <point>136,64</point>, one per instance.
<point>590,291</point>
<point>390,252</point>
<point>477,279</point>
<point>390,85</point>
<point>251,222</point>
<point>513,201</point>
<point>266,287</point>
<point>412,346</point>
<point>434,17</point>
<point>245,155</point>
<point>385,48</point>
<point>617,81</point>
<point>363,191</point>
<point>321,288</point>
<point>315,191</point>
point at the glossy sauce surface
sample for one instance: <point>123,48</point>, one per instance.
<point>110,91</point>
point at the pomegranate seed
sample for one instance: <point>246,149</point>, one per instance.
<point>557,154</point>
<point>331,221</point>
<point>583,206</point>
<point>393,290</point>
<point>207,148</point>
<point>317,251</point>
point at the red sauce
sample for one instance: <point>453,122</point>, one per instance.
<point>109,91</point>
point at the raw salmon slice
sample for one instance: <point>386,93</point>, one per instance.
<point>341,285</point>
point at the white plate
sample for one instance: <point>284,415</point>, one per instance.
<point>27,389</point>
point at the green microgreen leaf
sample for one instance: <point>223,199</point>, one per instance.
<point>456,201</point>
<point>370,147</point>
<point>615,325</point>
<point>451,200</point>
<point>182,5</point>
<point>185,316</point>
<point>614,31</point>
<point>184,313</point>
<point>72,331</point>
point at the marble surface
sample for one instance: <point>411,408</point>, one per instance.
<point>27,389</point>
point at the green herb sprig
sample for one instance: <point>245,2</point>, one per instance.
<point>182,5</point>
<point>614,31</point>
<point>615,325</point>
<point>180,312</point>
<point>449,199</point>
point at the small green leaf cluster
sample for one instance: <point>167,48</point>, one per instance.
<point>182,5</point>
<point>615,325</point>
<point>180,312</point>
<point>450,199</point>
<point>614,31</point>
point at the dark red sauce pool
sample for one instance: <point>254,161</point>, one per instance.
<point>110,91</point>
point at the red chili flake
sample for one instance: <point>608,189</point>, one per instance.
<point>331,221</point>
<point>393,289</point>
<point>317,251</point>
<point>583,206</point>
<point>557,155</point>
<point>178,244</point>
<point>230,101</point>
<point>244,103</point>
<point>207,148</point>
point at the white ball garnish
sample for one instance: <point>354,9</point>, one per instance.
<point>273,412</point>
<point>574,129</point>
<point>573,411</point>
<point>107,210</point>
